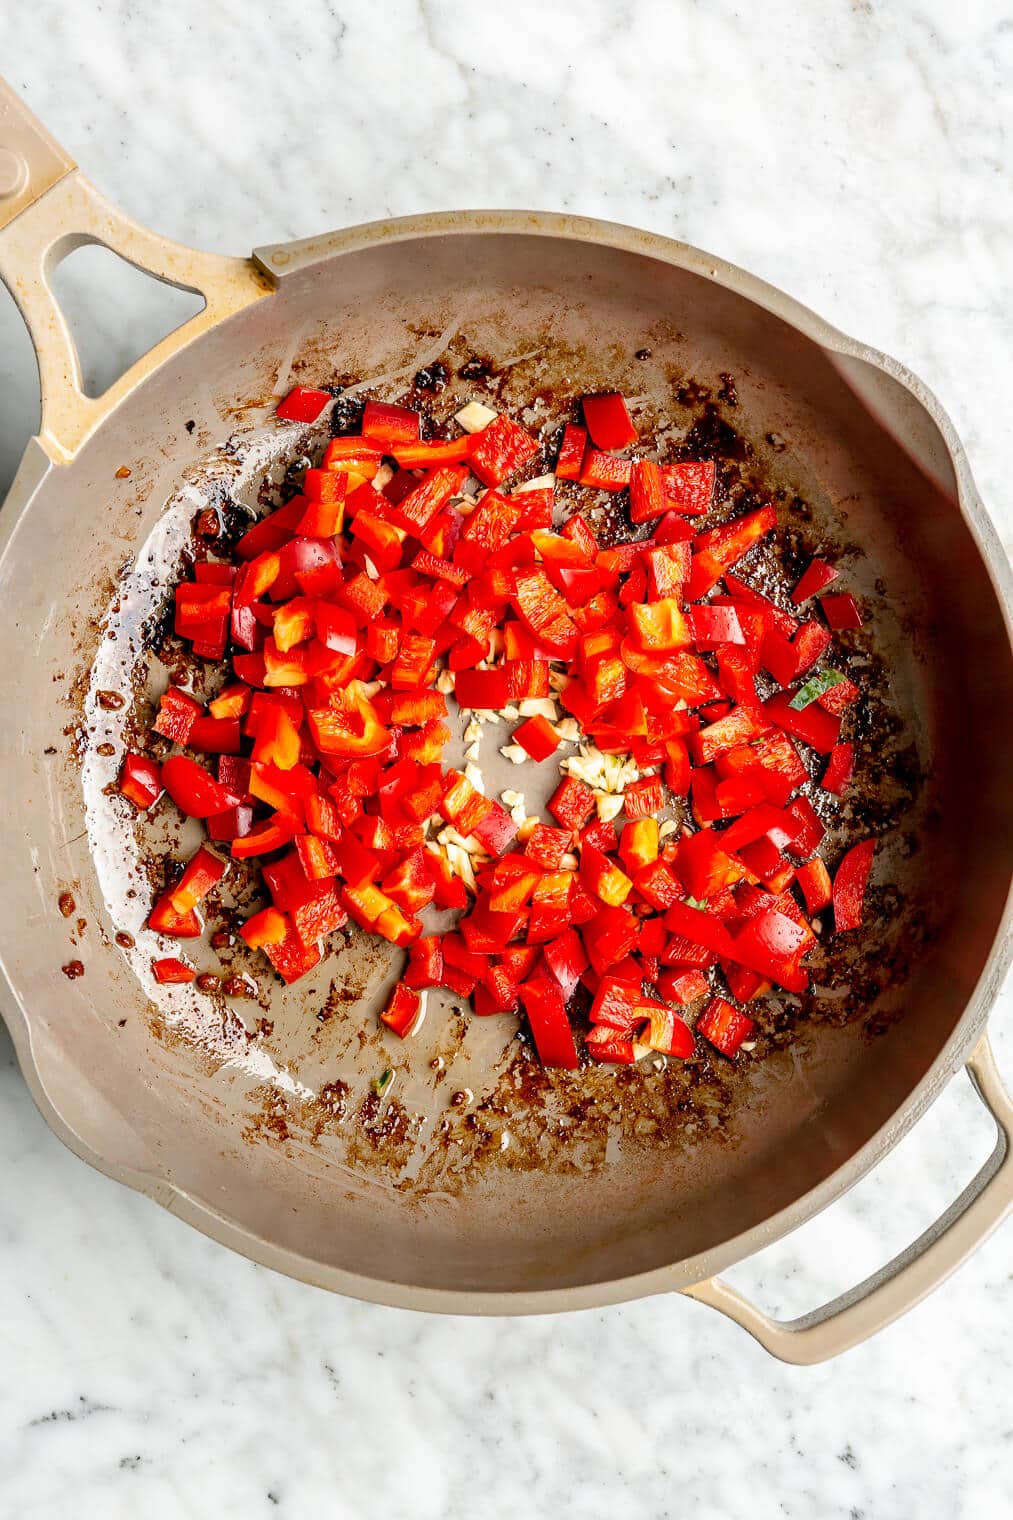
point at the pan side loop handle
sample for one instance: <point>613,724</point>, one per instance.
<point>47,210</point>
<point>902,1283</point>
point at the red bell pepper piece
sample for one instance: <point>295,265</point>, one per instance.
<point>724,1026</point>
<point>389,424</point>
<point>840,769</point>
<point>499,449</point>
<point>647,492</point>
<point>303,404</point>
<point>177,713</point>
<point>814,880</point>
<point>268,927</point>
<point>194,790</point>
<point>403,1010</point>
<point>164,919</point>
<point>689,488</point>
<point>291,957</point>
<point>571,452</point>
<point>571,803</point>
<point>140,780</point>
<point>608,420</point>
<point>216,736</point>
<point>813,724</point>
<point>204,870</point>
<point>170,970</point>
<point>644,797</point>
<point>850,883</point>
<point>683,986</point>
<point>605,472</point>
<point>666,1032</point>
<point>841,611</point>
<point>816,575</point>
<point>538,737</point>
<point>543,1004</point>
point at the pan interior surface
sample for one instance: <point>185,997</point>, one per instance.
<point>476,1172</point>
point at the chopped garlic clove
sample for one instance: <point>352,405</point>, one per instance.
<point>511,713</point>
<point>474,775</point>
<point>541,483</point>
<point>473,752</point>
<point>527,828</point>
<point>514,753</point>
<point>568,730</point>
<point>609,808</point>
<point>539,707</point>
<point>474,417</point>
<point>445,682</point>
<point>668,827</point>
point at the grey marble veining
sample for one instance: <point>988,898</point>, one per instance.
<point>856,155</point>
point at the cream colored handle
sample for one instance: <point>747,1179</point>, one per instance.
<point>907,1279</point>
<point>47,209</point>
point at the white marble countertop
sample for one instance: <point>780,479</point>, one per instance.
<point>860,159</point>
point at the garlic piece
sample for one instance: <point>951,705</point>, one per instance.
<point>474,417</point>
<point>514,753</point>
<point>541,483</point>
<point>568,730</point>
<point>474,775</point>
<point>473,752</point>
<point>539,707</point>
<point>445,683</point>
<point>609,807</point>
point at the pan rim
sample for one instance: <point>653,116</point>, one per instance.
<point>214,1223</point>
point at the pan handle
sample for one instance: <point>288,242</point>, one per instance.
<point>47,209</point>
<point>913,1274</point>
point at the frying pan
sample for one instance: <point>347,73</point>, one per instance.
<point>476,1182</point>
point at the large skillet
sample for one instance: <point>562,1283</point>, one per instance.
<point>533,1192</point>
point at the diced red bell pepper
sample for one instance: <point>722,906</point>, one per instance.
<point>571,803</point>
<point>647,492</point>
<point>571,452</point>
<point>840,769</point>
<point>268,927</point>
<point>644,797</point>
<point>850,883</point>
<point>566,959</point>
<point>813,724</point>
<point>291,957</point>
<point>606,1046</point>
<point>816,575</point>
<point>608,420</point>
<point>170,970</point>
<point>177,713</point>
<point>543,1004</point>
<point>271,835</point>
<point>609,936</point>
<point>194,790</point>
<point>814,880</point>
<point>683,986</point>
<point>666,1032</point>
<point>724,1026</point>
<point>303,404</point>
<point>140,780</point>
<point>204,870</point>
<point>714,625</point>
<point>771,943</point>
<point>389,424</point>
<point>402,1013</point>
<point>605,472</point>
<point>689,488</point>
<point>538,737</point>
<point>841,611</point>
<point>164,919</point>
<point>499,449</point>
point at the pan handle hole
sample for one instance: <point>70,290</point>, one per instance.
<point>115,313</point>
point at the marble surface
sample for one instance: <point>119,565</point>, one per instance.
<point>857,156</point>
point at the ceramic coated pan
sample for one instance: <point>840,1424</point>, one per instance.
<point>480,1183</point>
